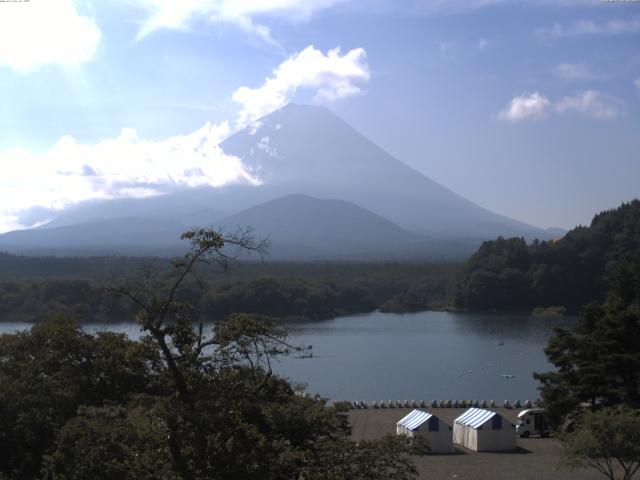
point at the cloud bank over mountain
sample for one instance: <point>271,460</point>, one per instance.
<point>326,191</point>
<point>129,166</point>
<point>331,75</point>
<point>126,166</point>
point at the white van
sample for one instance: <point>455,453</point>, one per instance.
<point>531,422</point>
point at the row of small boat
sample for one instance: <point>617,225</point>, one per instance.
<point>439,404</point>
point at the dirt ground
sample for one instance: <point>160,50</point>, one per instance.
<point>535,459</point>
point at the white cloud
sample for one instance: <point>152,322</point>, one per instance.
<point>333,76</point>
<point>589,27</point>
<point>483,44</point>
<point>126,166</point>
<point>435,7</point>
<point>592,104</point>
<point>523,107</point>
<point>182,14</point>
<point>572,72</point>
<point>41,32</point>
<point>637,84</point>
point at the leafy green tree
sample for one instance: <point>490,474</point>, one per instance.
<point>229,416</point>
<point>50,371</point>
<point>103,443</point>
<point>368,460</point>
<point>494,276</point>
<point>179,404</point>
<point>607,440</point>
<point>598,361</point>
<point>508,274</point>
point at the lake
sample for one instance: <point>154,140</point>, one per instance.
<point>420,356</point>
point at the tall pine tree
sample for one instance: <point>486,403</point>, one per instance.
<point>598,361</point>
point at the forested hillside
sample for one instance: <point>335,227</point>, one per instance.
<point>504,274</point>
<point>33,288</point>
<point>509,274</point>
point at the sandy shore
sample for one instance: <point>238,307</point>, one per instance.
<point>535,459</point>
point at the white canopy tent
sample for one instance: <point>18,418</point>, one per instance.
<point>484,431</point>
<point>437,433</point>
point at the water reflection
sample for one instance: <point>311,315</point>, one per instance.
<point>523,328</point>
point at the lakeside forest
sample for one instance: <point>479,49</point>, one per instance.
<point>184,404</point>
<point>503,275</point>
<point>295,290</point>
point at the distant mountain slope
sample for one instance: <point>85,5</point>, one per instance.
<point>130,235</point>
<point>302,227</point>
<point>191,207</point>
<point>299,225</point>
<point>309,149</point>
<point>507,274</point>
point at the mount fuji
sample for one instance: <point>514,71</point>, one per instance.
<point>326,192</point>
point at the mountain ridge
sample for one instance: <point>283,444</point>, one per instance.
<point>299,226</point>
<point>297,150</point>
<point>337,159</point>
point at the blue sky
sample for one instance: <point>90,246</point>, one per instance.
<point>528,108</point>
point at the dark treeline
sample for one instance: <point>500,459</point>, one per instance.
<point>20,266</point>
<point>509,274</point>
<point>427,293</point>
<point>33,288</point>
<point>288,297</point>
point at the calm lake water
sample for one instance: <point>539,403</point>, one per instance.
<point>427,355</point>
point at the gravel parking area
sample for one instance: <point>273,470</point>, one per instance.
<point>535,458</point>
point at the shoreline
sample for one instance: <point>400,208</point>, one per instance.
<point>293,319</point>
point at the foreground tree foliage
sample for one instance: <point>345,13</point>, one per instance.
<point>593,397</point>
<point>386,458</point>
<point>179,404</point>
<point>598,361</point>
<point>47,373</point>
<point>608,441</point>
<point>110,442</point>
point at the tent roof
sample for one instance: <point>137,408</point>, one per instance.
<point>475,417</point>
<point>414,419</point>
<point>530,410</point>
